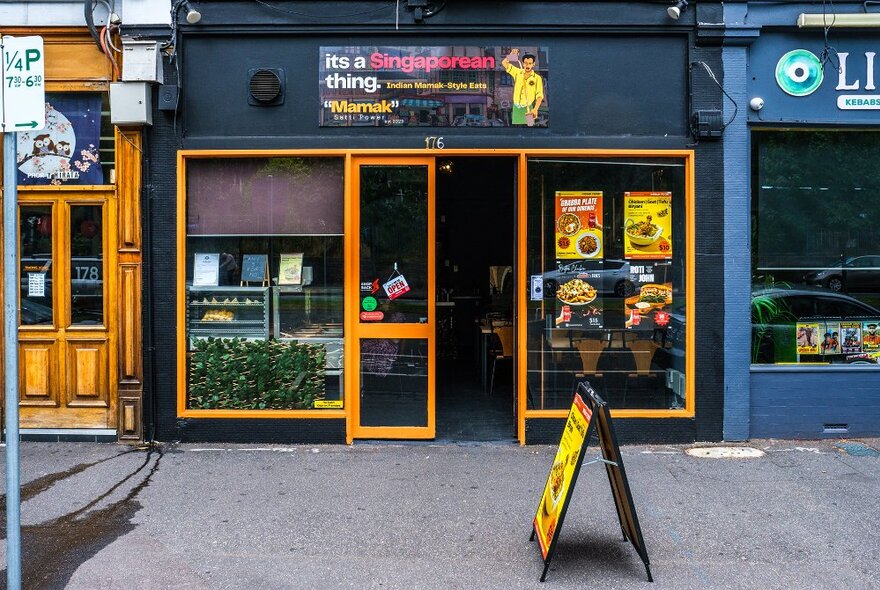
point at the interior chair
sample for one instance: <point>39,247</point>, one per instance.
<point>505,352</point>
<point>589,352</point>
<point>615,365</point>
<point>643,351</point>
<point>643,355</point>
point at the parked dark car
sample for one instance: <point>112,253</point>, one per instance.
<point>774,331</point>
<point>777,310</point>
<point>857,273</point>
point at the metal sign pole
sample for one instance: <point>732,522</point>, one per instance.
<point>22,107</point>
<point>10,305</point>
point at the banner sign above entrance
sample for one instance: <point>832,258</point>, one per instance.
<point>433,86</point>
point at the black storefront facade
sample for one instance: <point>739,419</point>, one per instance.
<point>327,266</point>
<point>814,145</point>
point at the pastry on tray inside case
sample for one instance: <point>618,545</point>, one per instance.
<point>218,315</point>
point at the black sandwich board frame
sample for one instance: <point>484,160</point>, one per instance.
<point>601,426</point>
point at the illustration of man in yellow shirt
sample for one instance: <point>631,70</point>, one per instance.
<point>528,88</point>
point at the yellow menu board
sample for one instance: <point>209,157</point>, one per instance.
<point>551,510</point>
<point>579,224</point>
<point>647,226</point>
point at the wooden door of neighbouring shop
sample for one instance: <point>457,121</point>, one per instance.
<point>392,280</point>
<point>66,327</point>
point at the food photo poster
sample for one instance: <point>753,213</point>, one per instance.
<point>582,305</point>
<point>290,269</point>
<point>647,225</point>
<point>579,225</point>
<point>652,283</point>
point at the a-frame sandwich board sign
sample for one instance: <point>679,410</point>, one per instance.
<point>589,416</point>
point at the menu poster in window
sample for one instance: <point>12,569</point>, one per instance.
<point>830,339</point>
<point>206,270</point>
<point>290,269</point>
<point>870,336</point>
<point>807,338</point>
<point>647,225</point>
<point>582,305</point>
<point>652,294</point>
<point>254,268</point>
<point>579,225</point>
<point>65,151</point>
<point>851,333</point>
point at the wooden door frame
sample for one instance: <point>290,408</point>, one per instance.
<point>355,330</point>
<point>62,332</point>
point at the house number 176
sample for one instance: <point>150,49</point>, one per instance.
<point>433,142</point>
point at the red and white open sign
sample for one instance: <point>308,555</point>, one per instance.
<point>396,287</point>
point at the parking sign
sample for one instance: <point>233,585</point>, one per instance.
<point>23,96</point>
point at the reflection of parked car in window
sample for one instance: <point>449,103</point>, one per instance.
<point>614,273</point>
<point>857,273</point>
<point>776,311</point>
<point>469,121</point>
<point>34,314</point>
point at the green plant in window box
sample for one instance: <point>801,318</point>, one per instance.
<point>237,374</point>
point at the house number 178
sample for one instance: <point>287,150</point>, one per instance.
<point>433,142</point>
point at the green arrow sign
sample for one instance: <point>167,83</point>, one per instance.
<point>30,124</point>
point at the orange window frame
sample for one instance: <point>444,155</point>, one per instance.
<point>351,159</point>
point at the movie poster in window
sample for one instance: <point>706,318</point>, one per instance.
<point>65,151</point>
<point>870,336</point>
<point>579,225</point>
<point>647,226</point>
<point>580,302</point>
<point>807,338</point>
<point>851,334</point>
<point>831,343</point>
<point>648,305</point>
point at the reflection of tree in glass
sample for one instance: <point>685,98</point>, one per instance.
<point>818,198</point>
<point>394,222</point>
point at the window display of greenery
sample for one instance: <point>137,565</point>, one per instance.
<point>232,373</point>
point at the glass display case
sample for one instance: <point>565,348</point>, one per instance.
<point>312,315</point>
<point>227,312</point>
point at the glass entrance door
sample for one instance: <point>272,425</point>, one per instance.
<point>394,327</point>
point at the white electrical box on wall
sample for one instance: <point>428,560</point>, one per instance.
<point>141,61</point>
<point>130,103</point>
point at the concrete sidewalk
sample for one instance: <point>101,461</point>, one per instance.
<point>805,515</point>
